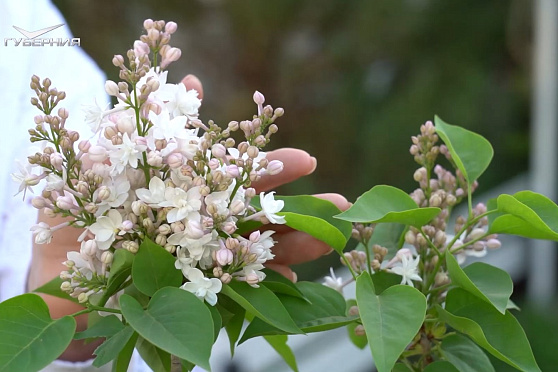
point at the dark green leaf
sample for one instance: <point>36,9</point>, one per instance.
<point>122,361</point>
<point>53,288</point>
<point>441,366</point>
<point>110,349</point>
<point>487,282</point>
<point>175,321</point>
<point>388,235</point>
<point>464,354</point>
<point>262,303</point>
<point>383,280</point>
<point>217,321</point>
<point>391,319</point>
<point>279,344</point>
<point>325,310</point>
<point>120,270</point>
<point>153,269</point>
<point>471,152</point>
<point>359,341</point>
<point>499,334</point>
<point>107,326</point>
<point>388,204</point>
<point>158,360</point>
<point>234,325</point>
<point>277,283</point>
<point>400,367</point>
<point>29,338</point>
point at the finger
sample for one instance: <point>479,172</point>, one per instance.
<point>192,82</point>
<point>339,200</point>
<point>297,163</point>
<point>297,247</point>
<point>283,270</point>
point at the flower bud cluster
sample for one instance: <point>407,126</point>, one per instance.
<point>156,171</point>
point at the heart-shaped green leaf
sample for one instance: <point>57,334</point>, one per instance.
<point>110,349</point>
<point>107,326</point>
<point>527,214</point>
<point>175,321</point>
<point>441,366</point>
<point>262,303</point>
<point>391,319</point>
<point>279,344</point>
<point>155,358</point>
<point>120,271</point>
<point>487,282</point>
<point>122,361</point>
<point>29,338</point>
<point>471,152</point>
<point>153,269</point>
<point>388,204</point>
<point>279,284</point>
<point>324,310</point>
<point>464,354</point>
<point>499,334</point>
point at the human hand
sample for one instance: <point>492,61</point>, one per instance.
<point>293,247</point>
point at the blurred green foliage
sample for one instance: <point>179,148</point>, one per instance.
<point>356,78</point>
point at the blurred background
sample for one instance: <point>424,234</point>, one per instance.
<point>356,79</point>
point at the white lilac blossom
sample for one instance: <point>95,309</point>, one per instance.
<point>333,281</point>
<point>152,169</point>
<point>407,269</point>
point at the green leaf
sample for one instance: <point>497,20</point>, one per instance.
<point>175,321</point>
<point>120,270</point>
<point>234,325</point>
<point>262,303</point>
<point>279,344</point>
<point>324,310</point>
<point>487,282</point>
<point>157,359</point>
<point>464,354</point>
<point>153,269</point>
<point>358,341</point>
<point>383,280</point>
<point>29,338</point>
<point>110,349</point>
<point>277,283</point>
<point>318,228</point>
<point>441,366</point>
<point>400,367</point>
<point>388,204</point>
<point>122,361</point>
<point>107,326</point>
<point>528,214</point>
<point>53,288</point>
<point>499,334</point>
<point>217,320</point>
<point>391,319</point>
<point>471,152</point>
<point>388,235</point>
<point>314,216</point>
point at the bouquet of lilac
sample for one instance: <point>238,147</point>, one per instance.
<point>169,218</point>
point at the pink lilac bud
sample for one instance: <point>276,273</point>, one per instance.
<point>173,54</point>
<point>250,192</point>
<point>493,244</point>
<point>214,164</point>
<point>140,48</point>
<point>175,160</point>
<point>91,208</point>
<point>84,146</point>
<point>126,125</point>
<point>229,227</point>
<point>127,225</point>
<point>194,229</point>
<point>279,111</point>
<point>154,159</point>
<point>57,160</point>
<point>252,279</point>
<point>410,237</point>
<point>226,278</point>
<point>89,247</point>
<point>148,23</point>
<point>259,98</point>
<point>171,27</point>
<point>161,240</point>
<point>359,330</point>
<point>224,257</point>
<point>477,233</point>
<point>111,88</point>
<point>275,167</point>
<point>253,152</point>
<point>218,150</point>
<point>98,154</point>
<point>237,207</point>
<point>254,236</point>
<point>65,202</point>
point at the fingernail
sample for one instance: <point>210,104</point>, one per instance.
<point>295,277</point>
<point>314,164</point>
<point>329,252</point>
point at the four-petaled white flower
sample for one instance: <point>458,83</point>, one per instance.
<point>42,232</point>
<point>333,282</point>
<point>26,178</point>
<point>184,203</point>
<point>128,152</point>
<point>271,207</point>
<point>106,228</point>
<point>204,288</point>
<point>118,195</point>
<point>179,100</point>
<point>407,269</point>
